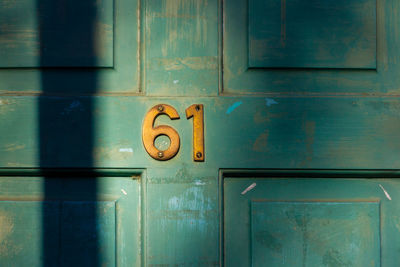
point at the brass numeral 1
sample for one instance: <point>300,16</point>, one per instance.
<point>197,112</point>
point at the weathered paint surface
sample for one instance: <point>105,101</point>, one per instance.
<point>256,60</point>
<point>310,222</point>
<point>60,128</point>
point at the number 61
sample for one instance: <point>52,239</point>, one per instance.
<point>150,133</point>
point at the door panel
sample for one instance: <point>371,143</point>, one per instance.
<point>181,40</point>
<point>68,226</point>
<point>292,47</point>
<point>310,222</point>
<point>306,34</point>
<point>71,45</point>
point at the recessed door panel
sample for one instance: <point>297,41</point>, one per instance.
<point>310,222</point>
<point>71,225</point>
<point>310,34</point>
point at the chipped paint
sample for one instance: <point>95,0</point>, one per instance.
<point>250,187</point>
<point>384,191</point>
<point>233,107</point>
<point>124,192</point>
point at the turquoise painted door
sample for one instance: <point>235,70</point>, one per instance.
<point>301,121</point>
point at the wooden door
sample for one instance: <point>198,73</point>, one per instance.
<point>301,123</point>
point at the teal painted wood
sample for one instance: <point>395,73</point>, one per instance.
<point>240,132</point>
<point>82,126</point>
<point>68,24</point>
<point>66,216</point>
<point>314,233</point>
<point>299,34</point>
<point>92,43</point>
<point>310,222</point>
<point>241,78</point>
<point>181,55</point>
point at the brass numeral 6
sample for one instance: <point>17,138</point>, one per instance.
<point>150,133</point>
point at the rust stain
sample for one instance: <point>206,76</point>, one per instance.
<point>261,143</point>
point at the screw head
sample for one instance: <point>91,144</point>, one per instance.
<point>197,107</point>
<point>160,108</point>
<point>160,154</point>
<point>198,154</point>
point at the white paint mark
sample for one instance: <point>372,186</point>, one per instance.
<point>124,192</point>
<point>130,150</point>
<point>250,187</point>
<point>386,193</point>
<point>198,182</point>
<point>270,101</point>
<point>176,81</point>
<point>233,107</point>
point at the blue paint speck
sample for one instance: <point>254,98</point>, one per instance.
<point>233,107</point>
<point>270,101</point>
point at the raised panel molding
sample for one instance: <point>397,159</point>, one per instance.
<point>310,34</point>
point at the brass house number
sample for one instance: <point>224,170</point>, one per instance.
<point>150,133</point>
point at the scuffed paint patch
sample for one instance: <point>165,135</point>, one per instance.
<point>192,63</point>
<point>128,150</point>
<point>269,102</point>
<point>384,191</point>
<point>13,147</point>
<point>250,187</point>
<point>233,107</point>
<point>198,182</point>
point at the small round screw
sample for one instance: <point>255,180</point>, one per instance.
<point>160,108</point>
<point>197,107</point>
<point>198,154</point>
<point>160,154</point>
